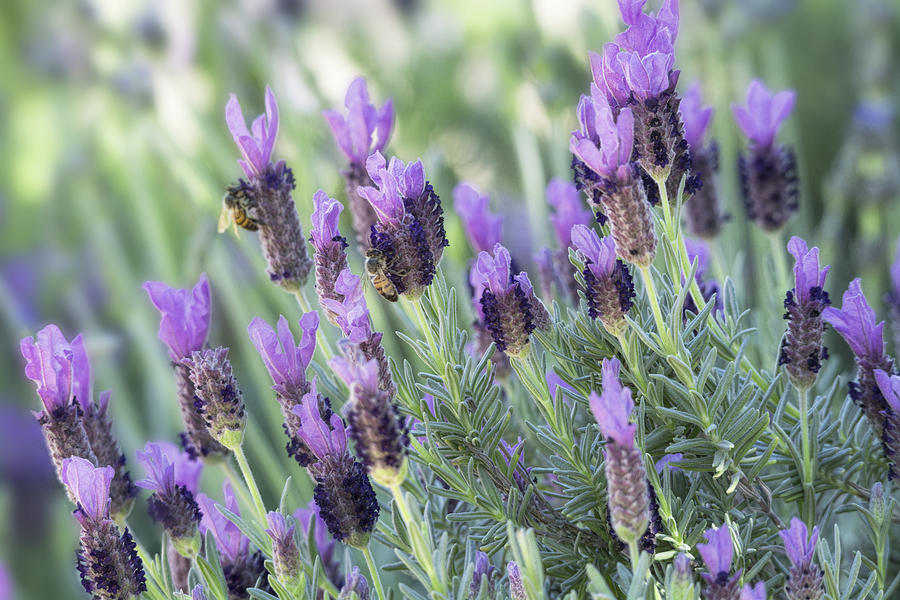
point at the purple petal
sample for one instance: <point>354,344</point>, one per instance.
<point>313,429</point>
<point>756,592</point>
<point>718,551</point>
<point>325,217</point>
<point>340,131</point>
<point>798,545</point>
<point>185,316</point>
<point>890,388</point>
<point>82,385</point>
<point>89,485</point>
<point>601,252</point>
<point>695,116</point>
<point>855,321</point>
<point>278,529</point>
<point>48,363</point>
<point>309,324</point>
<point>612,408</point>
<point>569,211</point>
<point>232,544</point>
<point>414,180</point>
<point>483,228</point>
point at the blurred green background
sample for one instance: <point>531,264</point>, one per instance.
<point>114,156</point>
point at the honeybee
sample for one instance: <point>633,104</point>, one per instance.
<point>376,264</point>
<point>236,206</point>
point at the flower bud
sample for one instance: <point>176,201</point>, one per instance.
<point>285,553</point>
<point>356,587</point>
<point>218,398</point>
<point>516,586</point>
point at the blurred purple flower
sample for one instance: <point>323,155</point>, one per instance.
<point>717,552</point>
<point>756,592</point>
<point>799,544</point>
<point>612,408</point>
<point>555,382</point>
<point>890,388</point>
<point>308,518</point>
<point>483,228</point>
<point>696,116</point>
<point>167,466</point>
<point>763,113</point>
<point>568,210</point>
<point>668,461</point>
<point>365,129</point>
<point>351,314</point>
<point>232,544</point>
<point>185,316</point>
<point>255,145</point>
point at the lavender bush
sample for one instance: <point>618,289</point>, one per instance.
<point>633,420</point>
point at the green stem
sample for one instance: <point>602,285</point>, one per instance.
<point>650,288</point>
<point>781,268</point>
<point>421,548</point>
<point>425,326</point>
<point>321,341</point>
<point>237,482</point>
<point>373,573</point>
<point>258,503</point>
<point>809,497</point>
<point>635,554</point>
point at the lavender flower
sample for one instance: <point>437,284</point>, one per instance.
<point>172,476</point>
<point>198,593</point>
<point>805,580</point>
<point>626,478</point>
<point>309,518</point>
<point>608,286</point>
<point>330,245</point>
<point>362,132</point>
<point>218,399</point>
<point>287,363</point>
<point>483,228</point>
<point>509,307</point>
<point>183,326</point>
<point>355,587</point>
<point>668,460</point>
<point>352,316</point>
<point>6,584</point>
<point>702,213</point>
<point>768,172</point>
<point>285,553</point>
<point>408,238</point>
<point>681,584</point>
<point>516,586</point>
<point>889,387</point>
<point>568,212</point>
<point>604,144</point>
<point>107,561</point>
<point>269,191</point>
<point>758,592</point>
<point>717,554</point>
<point>375,425</point>
<point>343,493</point>
<point>855,321</point>
<point>802,351</point>
<point>482,577</point>
<point>241,567</point>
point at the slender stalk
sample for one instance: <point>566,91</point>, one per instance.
<point>258,503</point>
<point>781,267</point>
<point>635,554</point>
<point>422,549</point>
<point>321,341</point>
<point>373,573</point>
<point>661,327</point>
<point>809,496</point>
<point>425,326</point>
<point>237,482</point>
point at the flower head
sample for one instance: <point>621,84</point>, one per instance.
<point>599,252</point>
<point>217,396</point>
<point>668,460</point>
<point>322,438</point>
<point>603,142</point>
<point>255,145</point>
<point>756,592</point>
<point>285,361</point>
<point>763,113</point>
<point>185,315</point>
<point>279,530</point>
<point>483,228</point>
<point>395,182</point>
<point>167,466</point>
<point>647,75</point>
<point>49,362</point>
<point>516,586</point>
<point>568,210</point>
<point>365,129</point>
<point>807,274</point>
<point>799,545</point>
<point>890,388</point>
<point>197,593</point>
<point>352,313</point>
<point>855,321</point>
<point>484,570</point>
<point>648,32</point>
<point>718,550</point>
<point>326,214</point>
<point>612,408</point>
<point>229,540</point>
<point>695,115</point>
<point>355,586</point>
<point>89,485</point>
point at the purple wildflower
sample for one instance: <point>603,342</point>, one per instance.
<point>483,228</point>
<point>285,553</point>
<point>516,585</point>
<point>107,561</point>
<point>366,129</point>
<point>702,212</point>
<point>801,349</point>
<point>893,296</point>
<point>626,479</point>
<point>484,575</point>
<point>717,553</point>
<point>184,316</point>
<point>509,307</point>
<point>343,493</point>
<point>758,592</point>
<point>217,396</point>
<point>568,210</point>
<point>555,382</point>
<point>48,363</point>
<point>695,115</point>
<point>379,433</point>
<point>269,193</point>
<point>355,587</point>
<point>608,286</point>
<point>408,238</point>
<point>330,245</point>
<point>668,460</point>
<point>197,593</point>
<point>799,545</point>
<point>309,518</point>
<point>855,321</point>
<point>768,172</point>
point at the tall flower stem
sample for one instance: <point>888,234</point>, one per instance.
<point>258,503</point>
<point>808,471</point>
<point>422,549</point>
<point>650,289</point>
<point>425,326</point>
<point>321,340</point>
<point>781,267</point>
<point>373,573</point>
<point>635,553</point>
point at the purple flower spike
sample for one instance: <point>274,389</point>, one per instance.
<point>603,143</point>
<point>648,33</point>
<point>799,545</point>
<point>365,129</point>
<point>185,315</point>
<point>232,544</point>
<point>321,439</point>
<point>718,551</point>
<point>756,592</point>
<point>350,314</point>
<point>612,408</point>
<point>278,529</point>
<point>608,285</point>
<point>568,210</point>
<point>285,361</point>
<point>647,76</point>
<point>516,586</point>
<point>600,252</point>
<point>326,214</point>
<point>255,145</point>
<point>48,363</point>
<point>285,553</point>
<point>855,321</point>
<point>696,116</point>
<point>763,113</point>
<point>483,228</point>
<point>807,274</point>
<point>89,485</point>
<point>167,466</point>
<point>395,181</point>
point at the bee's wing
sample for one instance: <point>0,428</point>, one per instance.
<point>226,218</point>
